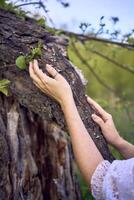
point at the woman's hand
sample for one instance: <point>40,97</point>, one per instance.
<point>56,87</point>
<point>105,121</point>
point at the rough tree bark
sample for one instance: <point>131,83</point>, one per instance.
<point>35,153</point>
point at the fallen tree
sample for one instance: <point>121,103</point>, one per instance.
<point>36,159</point>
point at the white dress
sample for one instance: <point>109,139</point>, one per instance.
<point>113,181</point>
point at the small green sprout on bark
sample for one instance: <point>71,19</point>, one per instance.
<point>4,86</point>
<point>23,61</point>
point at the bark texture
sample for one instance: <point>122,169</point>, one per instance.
<point>35,158</point>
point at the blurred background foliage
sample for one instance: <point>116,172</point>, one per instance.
<point>109,69</point>
<point>118,99</point>
<point>115,92</point>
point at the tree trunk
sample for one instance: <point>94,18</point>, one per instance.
<point>35,153</point>
<point>35,159</point>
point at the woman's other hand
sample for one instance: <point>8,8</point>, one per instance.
<point>55,86</point>
<point>105,121</point>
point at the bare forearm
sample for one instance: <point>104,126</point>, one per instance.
<point>85,151</point>
<point>125,148</point>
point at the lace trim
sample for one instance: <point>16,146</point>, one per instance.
<point>97,179</point>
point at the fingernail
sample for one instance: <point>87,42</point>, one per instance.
<point>48,66</point>
<point>30,64</point>
<point>93,116</point>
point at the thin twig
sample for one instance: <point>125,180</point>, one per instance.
<point>26,4</point>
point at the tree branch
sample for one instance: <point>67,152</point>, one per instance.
<point>83,38</point>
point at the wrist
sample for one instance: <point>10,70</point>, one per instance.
<point>67,102</point>
<point>119,144</point>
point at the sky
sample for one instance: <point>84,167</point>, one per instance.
<point>90,11</point>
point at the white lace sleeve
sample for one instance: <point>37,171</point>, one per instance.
<point>114,181</point>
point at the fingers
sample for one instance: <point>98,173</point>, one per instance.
<point>44,90</point>
<point>98,120</point>
<point>100,110</point>
<point>53,72</point>
<point>42,76</point>
<point>92,102</point>
<point>36,80</point>
<point>33,75</point>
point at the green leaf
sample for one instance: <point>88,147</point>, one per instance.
<point>4,90</point>
<point>21,62</point>
<point>4,82</point>
<point>3,86</point>
<point>36,52</point>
